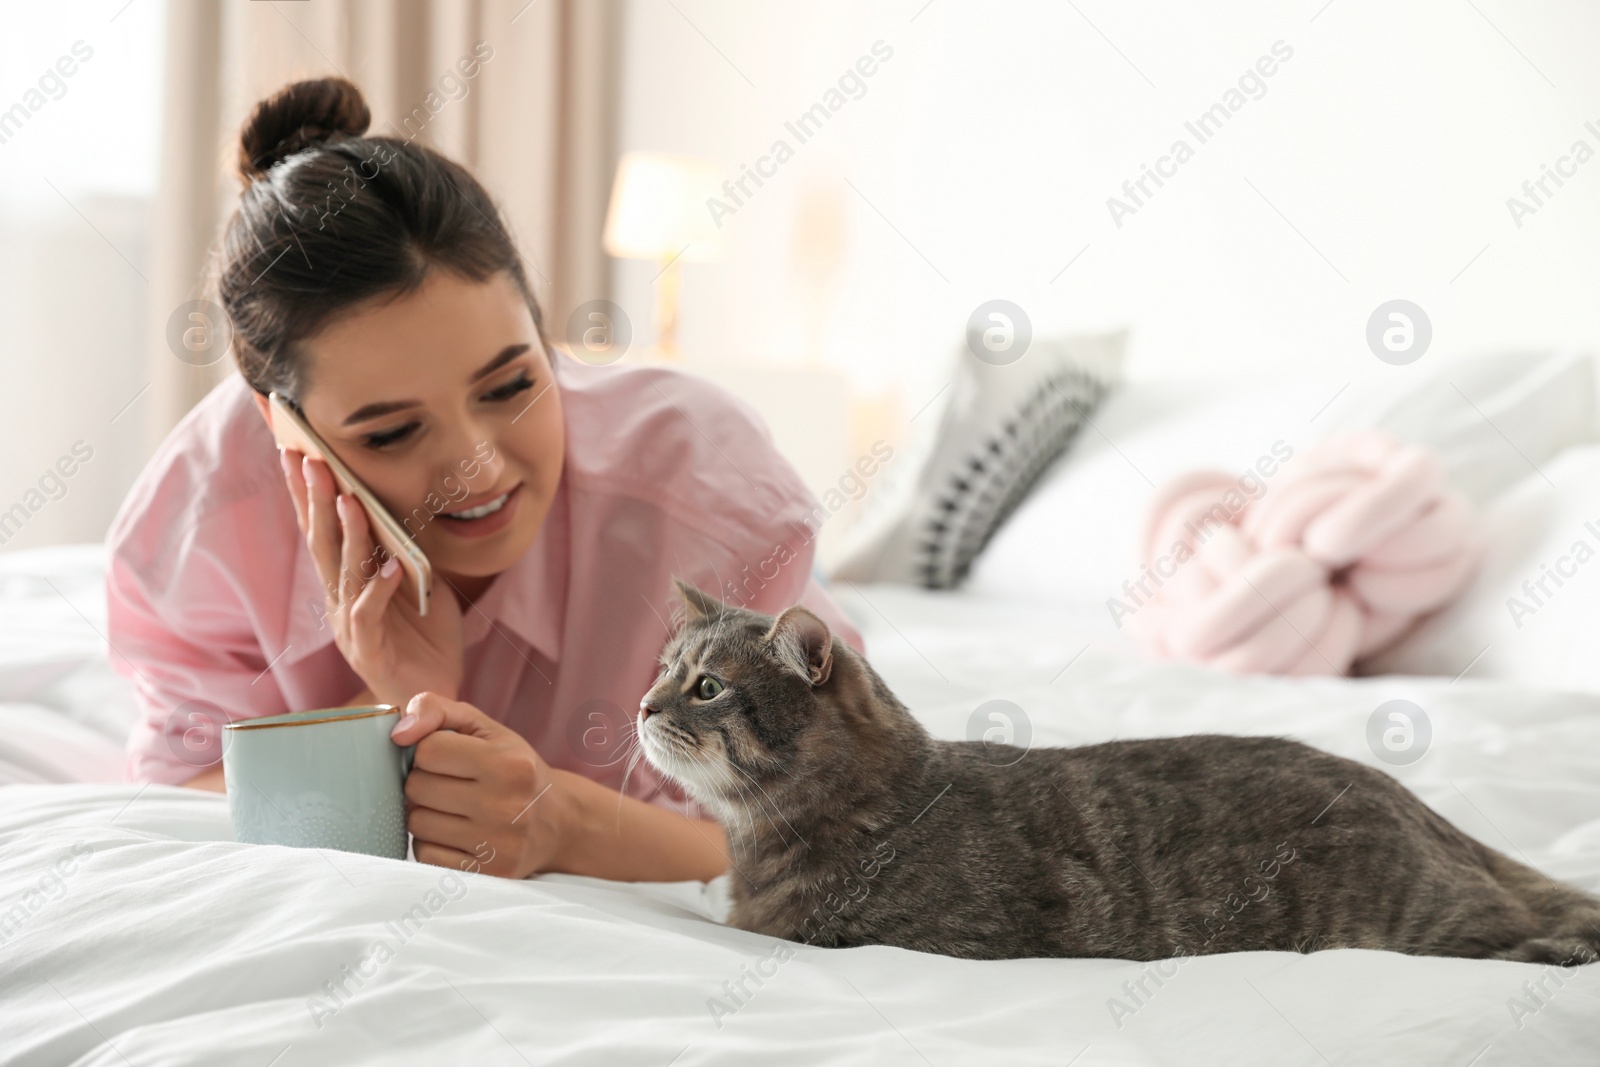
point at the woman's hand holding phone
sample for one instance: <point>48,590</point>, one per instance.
<point>396,651</point>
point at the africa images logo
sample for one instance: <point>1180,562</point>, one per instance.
<point>1203,128</point>
<point>851,85</point>
<point>51,86</point>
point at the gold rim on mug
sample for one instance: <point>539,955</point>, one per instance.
<point>379,709</point>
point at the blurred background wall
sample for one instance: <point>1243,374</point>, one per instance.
<point>974,162</point>
<point>979,159</point>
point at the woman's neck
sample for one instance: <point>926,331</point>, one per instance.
<point>468,589</point>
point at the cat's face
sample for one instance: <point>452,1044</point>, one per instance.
<point>740,699</point>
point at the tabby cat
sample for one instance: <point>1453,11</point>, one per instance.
<point>848,824</point>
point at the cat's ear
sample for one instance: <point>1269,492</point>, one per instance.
<point>802,641</point>
<point>697,606</point>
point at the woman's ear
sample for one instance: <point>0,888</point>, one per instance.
<point>698,606</point>
<point>802,641</point>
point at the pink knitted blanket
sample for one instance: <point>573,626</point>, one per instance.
<point>1334,561</point>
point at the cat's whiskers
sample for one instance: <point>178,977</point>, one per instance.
<point>749,802</point>
<point>740,811</point>
<point>663,749</point>
<point>774,803</point>
<point>634,756</point>
<point>640,753</point>
<point>697,771</point>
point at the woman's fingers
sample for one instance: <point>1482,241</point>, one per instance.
<point>440,827</point>
<point>294,474</point>
<point>428,712</point>
<point>442,792</point>
<point>366,613</point>
<point>454,754</point>
<point>357,561</point>
<point>443,856</point>
<point>322,535</point>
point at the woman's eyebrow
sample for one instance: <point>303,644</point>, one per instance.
<point>388,407</point>
<point>507,354</point>
<point>373,411</point>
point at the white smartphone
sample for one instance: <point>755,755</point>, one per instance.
<point>292,431</point>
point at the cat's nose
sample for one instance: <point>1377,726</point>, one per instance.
<point>646,709</point>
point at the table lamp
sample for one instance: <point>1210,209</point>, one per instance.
<point>659,212</point>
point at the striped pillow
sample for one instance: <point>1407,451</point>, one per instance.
<point>996,430</point>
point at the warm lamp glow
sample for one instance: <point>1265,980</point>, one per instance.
<point>658,211</point>
<point>658,208</point>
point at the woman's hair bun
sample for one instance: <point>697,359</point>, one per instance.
<point>294,118</point>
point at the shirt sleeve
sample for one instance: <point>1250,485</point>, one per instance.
<point>194,662</point>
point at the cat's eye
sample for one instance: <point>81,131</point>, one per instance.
<point>708,688</point>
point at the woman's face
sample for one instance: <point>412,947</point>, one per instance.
<point>442,401</point>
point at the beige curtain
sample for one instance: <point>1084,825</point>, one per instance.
<point>536,125</point>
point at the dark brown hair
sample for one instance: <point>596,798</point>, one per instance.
<point>330,218</point>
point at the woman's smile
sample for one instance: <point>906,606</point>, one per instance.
<point>485,519</point>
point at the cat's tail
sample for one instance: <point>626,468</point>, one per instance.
<point>1568,933</point>
<point>1563,948</point>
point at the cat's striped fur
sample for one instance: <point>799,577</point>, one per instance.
<point>850,825</point>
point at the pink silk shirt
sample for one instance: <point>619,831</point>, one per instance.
<point>216,612</point>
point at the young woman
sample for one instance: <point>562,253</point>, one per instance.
<point>371,281</point>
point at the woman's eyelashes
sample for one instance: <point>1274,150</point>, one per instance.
<point>498,395</point>
<point>385,438</point>
<point>505,392</point>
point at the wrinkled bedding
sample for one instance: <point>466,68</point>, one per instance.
<point>134,930</point>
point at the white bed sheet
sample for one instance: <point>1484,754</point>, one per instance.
<point>168,943</point>
<point>64,713</point>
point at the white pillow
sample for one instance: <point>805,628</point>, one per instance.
<point>1489,416</point>
<point>1533,613</point>
<point>1076,539</point>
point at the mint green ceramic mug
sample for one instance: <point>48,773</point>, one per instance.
<point>330,778</point>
